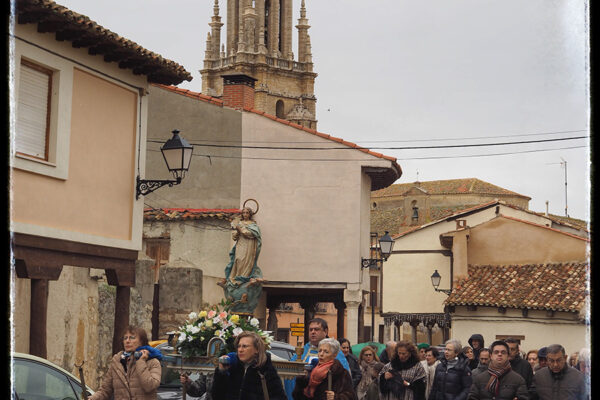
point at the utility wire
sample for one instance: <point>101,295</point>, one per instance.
<point>370,159</point>
<point>394,141</point>
<point>383,148</point>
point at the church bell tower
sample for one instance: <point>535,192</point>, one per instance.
<point>259,45</point>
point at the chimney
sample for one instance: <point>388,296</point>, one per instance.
<point>547,207</point>
<point>238,91</point>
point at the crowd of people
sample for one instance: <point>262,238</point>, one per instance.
<point>402,371</point>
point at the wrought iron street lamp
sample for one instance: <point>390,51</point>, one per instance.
<point>435,281</point>
<point>177,153</point>
<point>385,248</point>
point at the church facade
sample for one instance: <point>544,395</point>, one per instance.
<point>258,43</point>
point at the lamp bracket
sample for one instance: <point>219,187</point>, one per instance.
<point>145,186</point>
<point>446,291</point>
<point>370,263</point>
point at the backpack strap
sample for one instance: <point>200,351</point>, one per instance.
<point>264,385</point>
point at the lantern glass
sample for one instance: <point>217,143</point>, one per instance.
<point>386,245</point>
<point>177,153</point>
<point>435,279</point>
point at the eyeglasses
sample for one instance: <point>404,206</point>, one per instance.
<point>129,337</point>
<point>368,354</point>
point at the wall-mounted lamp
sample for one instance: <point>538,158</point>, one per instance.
<point>177,153</point>
<point>435,281</point>
<point>386,245</point>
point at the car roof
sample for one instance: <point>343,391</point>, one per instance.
<point>283,345</point>
<point>50,363</point>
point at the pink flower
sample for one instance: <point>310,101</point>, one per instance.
<point>211,314</point>
<point>223,314</point>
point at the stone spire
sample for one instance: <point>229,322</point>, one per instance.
<point>303,39</point>
<point>215,25</point>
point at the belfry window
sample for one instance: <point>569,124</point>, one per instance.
<point>279,111</point>
<point>415,211</point>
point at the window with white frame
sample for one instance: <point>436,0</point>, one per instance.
<point>33,110</point>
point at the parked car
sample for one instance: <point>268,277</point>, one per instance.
<point>38,379</point>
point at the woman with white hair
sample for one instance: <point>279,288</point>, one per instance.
<point>452,376</point>
<point>328,379</point>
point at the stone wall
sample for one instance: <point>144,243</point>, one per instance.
<point>180,294</point>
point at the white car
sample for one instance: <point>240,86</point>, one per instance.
<point>35,378</point>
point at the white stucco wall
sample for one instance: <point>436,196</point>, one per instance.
<point>538,329</point>
<point>312,213</point>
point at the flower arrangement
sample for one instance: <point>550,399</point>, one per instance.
<point>202,326</point>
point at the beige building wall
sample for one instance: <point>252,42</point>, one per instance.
<point>506,241</point>
<point>538,329</point>
<point>407,273</point>
<point>308,209</point>
<point>89,186</point>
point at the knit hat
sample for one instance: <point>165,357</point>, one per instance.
<point>543,352</point>
<point>423,346</point>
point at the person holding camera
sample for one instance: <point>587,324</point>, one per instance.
<point>247,374</point>
<point>134,372</point>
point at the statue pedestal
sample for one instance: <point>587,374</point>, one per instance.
<point>244,297</point>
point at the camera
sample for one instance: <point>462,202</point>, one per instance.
<point>224,360</point>
<point>137,354</point>
<point>308,367</point>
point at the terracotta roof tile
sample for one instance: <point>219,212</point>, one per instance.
<point>179,214</point>
<point>550,286</point>
<point>83,32</point>
<point>450,186</point>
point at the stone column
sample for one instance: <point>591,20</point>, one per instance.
<point>272,305</point>
<point>38,315</point>
<point>340,306</point>
<point>352,298</point>
<point>309,306</point>
<point>413,330</point>
<point>121,316</point>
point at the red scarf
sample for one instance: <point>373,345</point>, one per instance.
<point>318,374</point>
<point>496,372</point>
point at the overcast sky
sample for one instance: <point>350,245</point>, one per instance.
<point>393,73</point>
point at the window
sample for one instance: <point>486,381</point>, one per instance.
<point>415,209</point>
<point>43,91</point>
<point>36,381</point>
<point>33,110</point>
<point>279,109</point>
<point>373,291</point>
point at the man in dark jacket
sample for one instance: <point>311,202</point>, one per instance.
<point>452,376</point>
<point>484,361</point>
<point>499,381</point>
<point>518,364</point>
<point>386,355</point>
<point>558,381</point>
<point>476,342</point>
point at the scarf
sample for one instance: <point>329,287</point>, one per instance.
<point>370,371</point>
<point>317,375</point>
<point>411,370</point>
<point>496,372</point>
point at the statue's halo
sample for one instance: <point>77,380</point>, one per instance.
<point>255,202</point>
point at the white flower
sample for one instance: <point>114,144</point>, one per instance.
<point>216,320</point>
<point>237,331</point>
<point>189,338</point>
<point>254,322</point>
<point>192,316</point>
<point>188,327</point>
<point>194,329</point>
<point>181,337</point>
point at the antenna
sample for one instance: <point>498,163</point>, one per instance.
<point>565,163</point>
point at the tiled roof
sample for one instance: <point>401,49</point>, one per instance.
<point>193,95</point>
<point>551,286</point>
<point>577,223</point>
<point>179,214</point>
<point>458,213</point>
<point>383,180</point>
<point>83,32</point>
<point>451,186</point>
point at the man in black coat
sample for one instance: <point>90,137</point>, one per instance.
<point>518,364</point>
<point>499,381</point>
<point>558,381</point>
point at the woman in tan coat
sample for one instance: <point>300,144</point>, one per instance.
<point>129,377</point>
